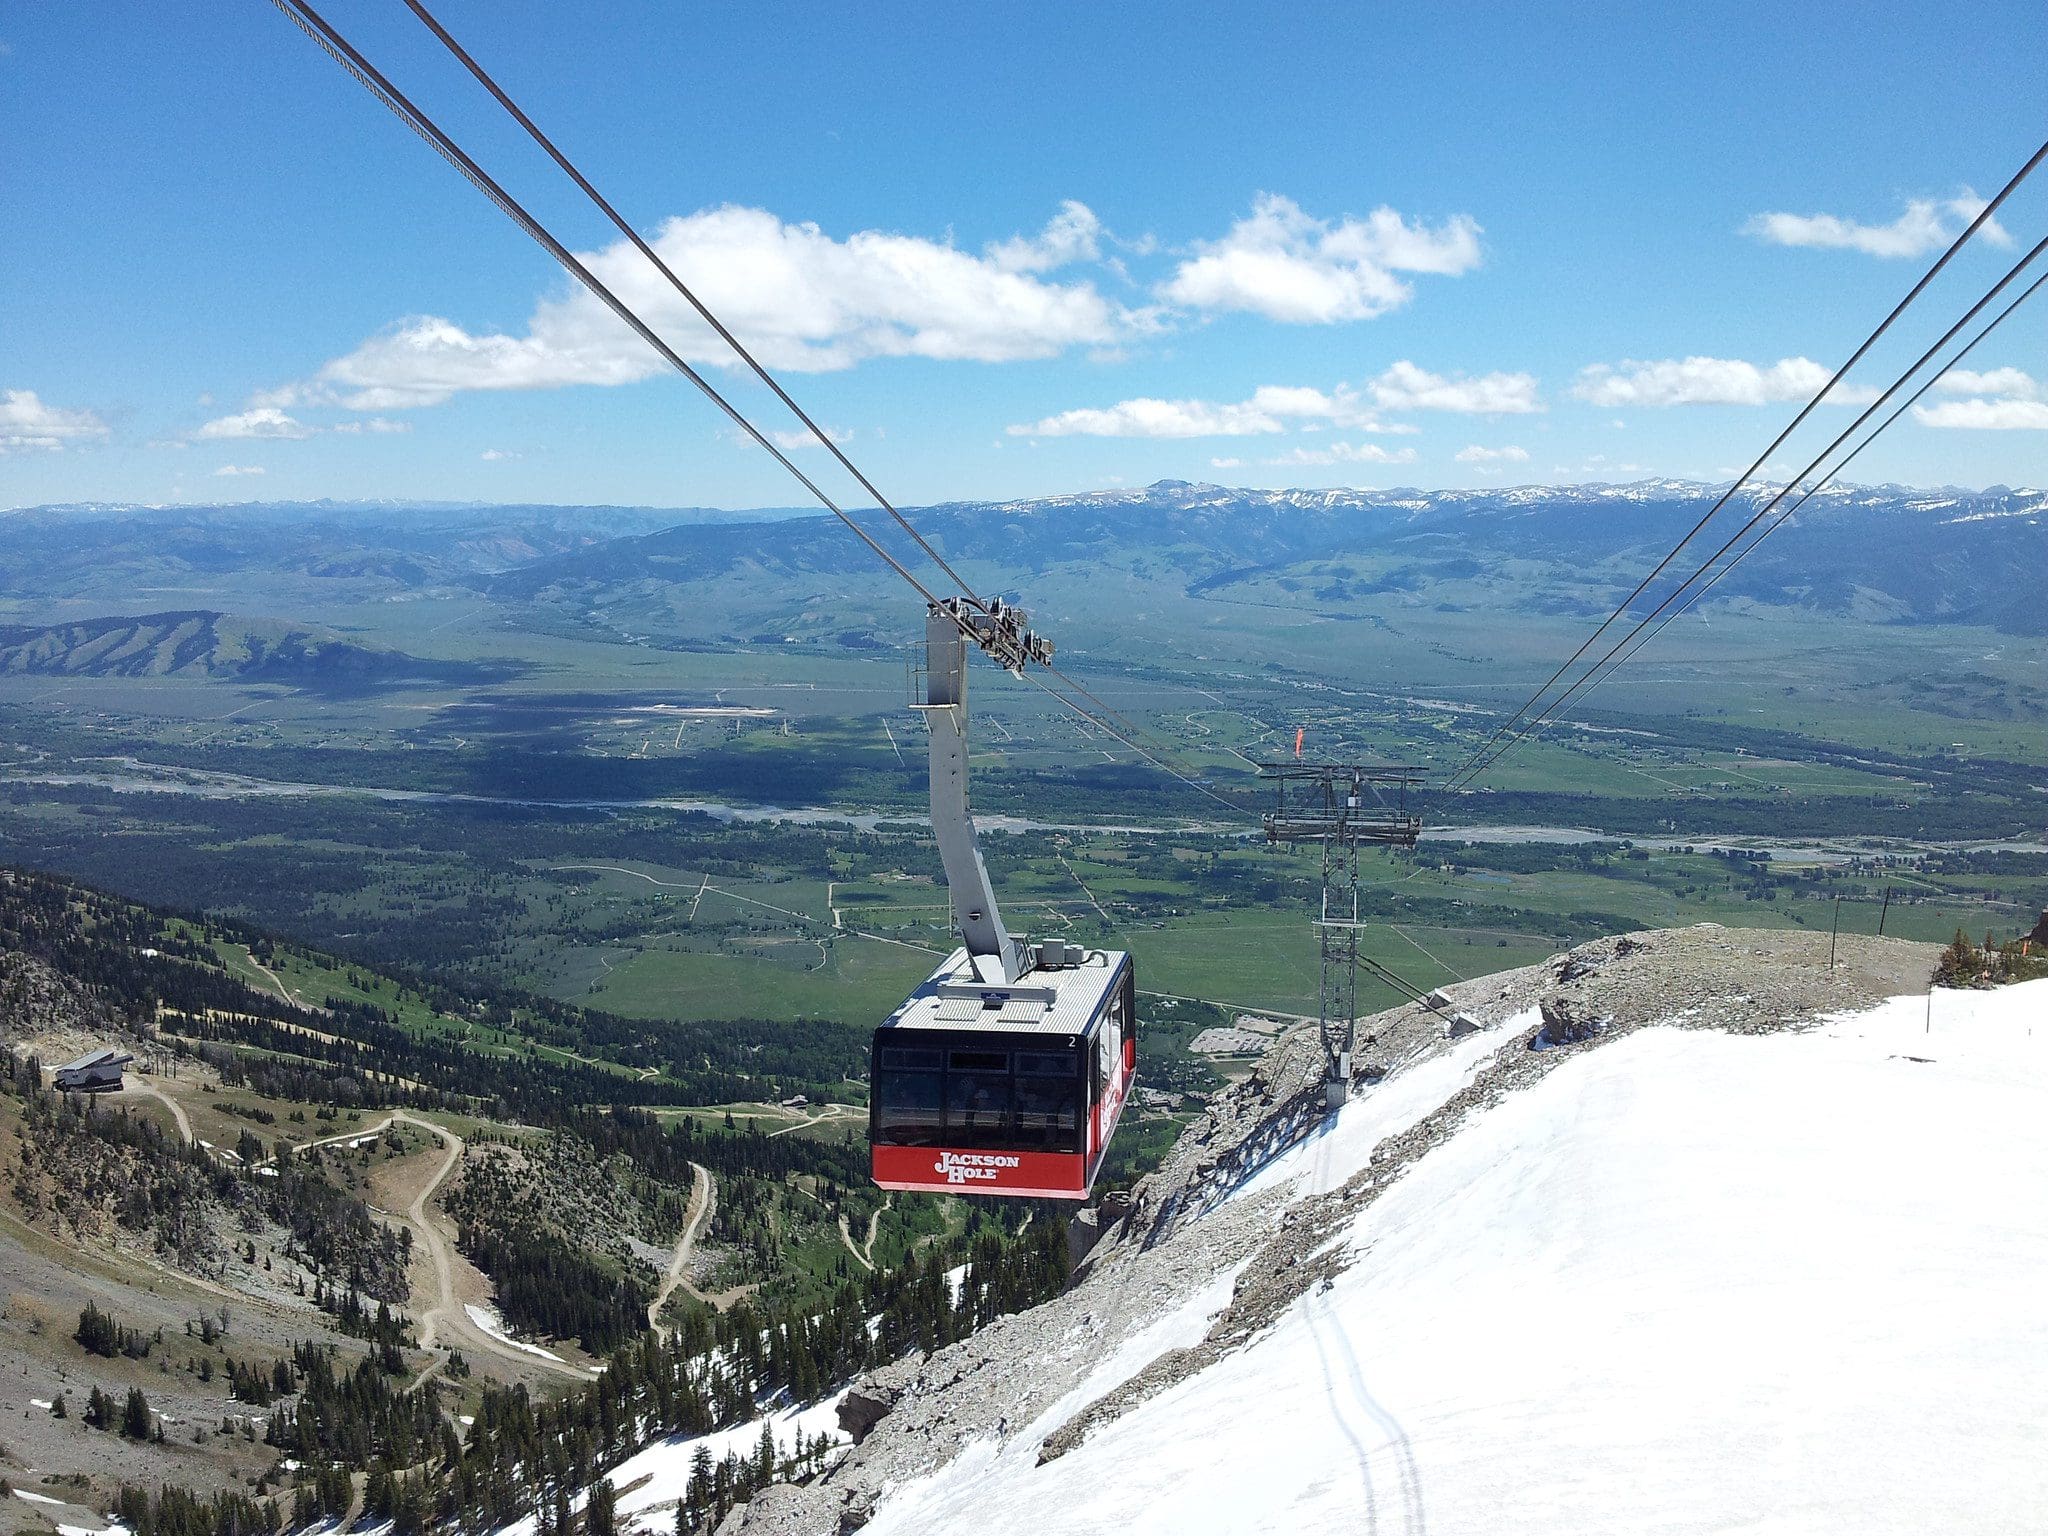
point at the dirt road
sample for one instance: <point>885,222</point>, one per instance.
<point>827,1112</point>
<point>702,1198</point>
<point>149,1090</point>
<point>864,1253</point>
<point>447,1323</point>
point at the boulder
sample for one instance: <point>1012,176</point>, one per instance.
<point>869,1399</point>
<point>1084,1231</point>
<point>1566,1023</point>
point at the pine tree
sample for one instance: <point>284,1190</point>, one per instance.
<point>135,1417</point>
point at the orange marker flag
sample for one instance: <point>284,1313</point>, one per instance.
<point>1299,732</point>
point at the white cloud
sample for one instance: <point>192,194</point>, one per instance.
<point>1710,381</point>
<point>494,455</point>
<point>379,424</point>
<point>239,469</point>
<point>1405,387</point>
<point>26,422</point>
<point>1478,455</point>
<point>1074,234</point>
<point>262,422</point>
<point>2010,415</point>
<point>800,299</point>
<point>1345,453</point>
<point>1271,408</point>
<point>1926,226</point>
<point>1226,463</point>
<point>802,438</point>
<point>2010,382</point>
<point>1282,263</point>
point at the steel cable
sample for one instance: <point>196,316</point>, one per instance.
<point>1466,775</point>
<point>533,130</point>
<point>344,53</point>
<point>1983,217</point>
<point>1821,484</point>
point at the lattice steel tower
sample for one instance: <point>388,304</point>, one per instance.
<point>1343,807</point>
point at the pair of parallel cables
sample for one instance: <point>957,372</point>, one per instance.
<point>331,41</point>
<point>1692,589</point>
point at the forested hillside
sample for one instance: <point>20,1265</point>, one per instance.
<point>556,1186</point>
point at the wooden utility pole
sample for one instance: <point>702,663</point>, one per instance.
<point>1881,911</point>
<point>1837,934</point>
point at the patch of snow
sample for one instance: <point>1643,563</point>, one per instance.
<point>666,1465</point>
<point>35,1498</point>
<point>267,1173</point>
<point>487,1319</point>
<point>37,1402</point>
<point>955,1278</point>
<point>1399,1101</point>
<point>1687,1282</point>
<point>662,1470</point>
<point>113,1528</point>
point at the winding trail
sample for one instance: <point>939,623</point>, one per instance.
<point>865,1252</point>
<point>447,1314</point>
<point>277,981</point>
<point>702,1197</point>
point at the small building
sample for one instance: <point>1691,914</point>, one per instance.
<point>95,1072</point>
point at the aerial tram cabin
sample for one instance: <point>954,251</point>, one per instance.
<point>1011,1090</point>
<point>1006,1072</point>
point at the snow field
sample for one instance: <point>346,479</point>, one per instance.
<point>949,1501</point>
<point>1688,1282</point>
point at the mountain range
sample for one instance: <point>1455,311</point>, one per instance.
<point>1887,554</point>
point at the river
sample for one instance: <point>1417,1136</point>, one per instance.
<point>127,775</point>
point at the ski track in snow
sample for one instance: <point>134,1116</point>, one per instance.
<point>1689,1282</point>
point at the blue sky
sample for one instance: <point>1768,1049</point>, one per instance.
<point>1006,253</point>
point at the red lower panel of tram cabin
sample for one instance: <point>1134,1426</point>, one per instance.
<point>961,1171</point>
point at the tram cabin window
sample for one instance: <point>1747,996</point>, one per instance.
<point>978,1097</point>
<point>909,1092</point>
<point>960,1096</point>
